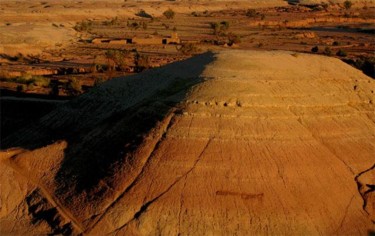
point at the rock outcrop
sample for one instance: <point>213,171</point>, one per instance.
<point>236,142</point>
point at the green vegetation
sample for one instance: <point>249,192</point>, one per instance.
<point>219,28</point>
<point>233,39</point>
<point>169,14</point>
<point>328,51</point>
<point>98,81</point>
<point>28,80</point>
<point>188,48</point>
<point>113,21</point>
<point>348,4</point>
<point>251,13</point>
<point>315,49</point>
<point>341,53</point>
<point>325,6</point>
<point>366,64</point>
<point>116,59</point>
<point>83,26</point>
<point>142,62</point>
<point>74,87</point>
<point>21,88</point>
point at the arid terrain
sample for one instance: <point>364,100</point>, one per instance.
<point>187,117</point>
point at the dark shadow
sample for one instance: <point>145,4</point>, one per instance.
<point>106,124</point>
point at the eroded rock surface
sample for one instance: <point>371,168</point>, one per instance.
<point>236,142</point>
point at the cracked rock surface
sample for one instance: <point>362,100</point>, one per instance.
<point>234,142</point>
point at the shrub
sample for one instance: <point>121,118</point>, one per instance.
<point>83,26</point>
<point>315,49</point>
<point>219,28</point>
<point>74,87</point>
<point>98,81</point>
<point>325,6</point>
<point>169,14</point>
<point>233,39</point>
<point>165,26</point>
<point>251,13</point>
<point>21,88</point>
<point>188,48</point>
<point>133,25</point>
<point>224,25</point>
<point>348,4</point>
<point>41,81</point>
<point>113,21</point>
<point>144,25</point>
<point>116,58</point>
<point>142,62</point>
<point>341,53</point>
<point>327,51</point>
<point>336,43</point>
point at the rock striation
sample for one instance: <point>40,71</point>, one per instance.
<point>231,142</point>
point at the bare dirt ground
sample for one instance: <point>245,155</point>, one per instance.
<point>267,131</point>
<point>46,44</point>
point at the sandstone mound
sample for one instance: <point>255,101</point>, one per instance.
<point>236,142</point>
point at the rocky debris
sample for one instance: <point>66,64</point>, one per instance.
<point>235,142</point>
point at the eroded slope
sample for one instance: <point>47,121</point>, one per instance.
<point>239,142</point>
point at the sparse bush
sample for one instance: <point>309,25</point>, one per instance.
<point>21,88</point>
<point>98,81</point>
<point>233,39</point>
<point>74,87</point>
<point>341,53</point>
<point>366,64</point>
<point>144,25</point>
<point>116,58</point>
<point>219,28</point>
<point>315,49</point>
<point>169,14</point>
<point>188,48</point>
<point>41,81</point>
<point>224,25</point>
<point>251,13</point>
<point>165,26</point>
<point>83,26</point>
<point>133,25</point>
<point>348,4</point>
<point>113,21</point>
<point>327,51</point>
<point>325,6</point>
<point>142,62</point>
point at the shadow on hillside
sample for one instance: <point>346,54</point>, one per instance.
<point>101,131</point>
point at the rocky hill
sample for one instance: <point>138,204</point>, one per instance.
<point>234,142</point>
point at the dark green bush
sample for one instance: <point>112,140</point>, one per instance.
<point>169,14</point>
